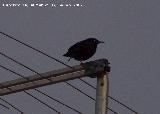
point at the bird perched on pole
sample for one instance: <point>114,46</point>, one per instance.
<point>83,50</point>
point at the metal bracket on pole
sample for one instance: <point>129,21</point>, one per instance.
<point>90,69</point>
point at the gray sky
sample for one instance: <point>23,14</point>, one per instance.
<point>130,28</point>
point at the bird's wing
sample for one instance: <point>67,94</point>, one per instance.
<point>77,47</point>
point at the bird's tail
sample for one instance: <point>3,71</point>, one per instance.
<point>66,55</point>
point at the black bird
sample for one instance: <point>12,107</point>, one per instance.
<point>83,50</point>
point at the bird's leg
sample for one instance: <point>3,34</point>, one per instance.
<point>69,59</point>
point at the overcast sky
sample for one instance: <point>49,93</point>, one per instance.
<point>130,28</point>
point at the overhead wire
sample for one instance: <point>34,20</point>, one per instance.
<point>31,47</point>
<point>9,103</point>
<point>9,36</point>
<point>39,91</point>
<point>6,107</point>
<point>58,101</point>
<point>13,106</point>
<point>42,102</point>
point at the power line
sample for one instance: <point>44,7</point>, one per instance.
<point>123,105</point>
<point>13,72</point>
<point>12,106</point>
<point>37,72</point>
<point>58,101</point>
<point>42,102</point>
<point>11,37</point>
<point>4,106</point>
<point>6,56</point>
<point>19,63</point>
<point>45,94</point>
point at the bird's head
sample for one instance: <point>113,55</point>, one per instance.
<point>94,40</point>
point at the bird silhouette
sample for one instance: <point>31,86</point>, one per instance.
<point>83,50</point>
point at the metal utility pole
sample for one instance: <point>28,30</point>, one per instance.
<point>102,93</point>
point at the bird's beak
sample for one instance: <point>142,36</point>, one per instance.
<point>100,42</point>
